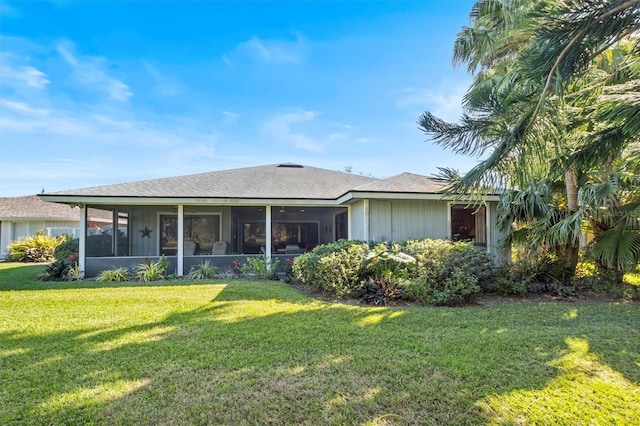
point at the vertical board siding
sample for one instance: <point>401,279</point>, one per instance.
<point>380,220</point>
<point>357,221</point>
<point>139,218</point>
<point>415,219</point>
<point>400,220</point>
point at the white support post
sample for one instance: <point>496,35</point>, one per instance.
<point>267,249</point>
<point>180,253</point>
<point>349,235</point>
<point>82,239</point>
<point>449,230</point>
<point>366,220</point>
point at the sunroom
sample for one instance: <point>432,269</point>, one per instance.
<point>187,235</point>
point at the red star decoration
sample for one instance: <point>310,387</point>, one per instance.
<point>146,232</point>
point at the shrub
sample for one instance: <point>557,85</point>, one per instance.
<point>260,267</point>
<point>447,273</point>
<point>336,268</point>
<point>75,274</point>
<point>67,250</point>
<point>113,275</point>
<point>540,274</point>
<point>453,288</point>
<point>590,277</point>
<point>385,268</point>
<point>36,248</point>
<point>204,271</point>
<point>57,271</point>
<point>152,271</point>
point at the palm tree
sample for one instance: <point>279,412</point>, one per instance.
<point>532,135</point>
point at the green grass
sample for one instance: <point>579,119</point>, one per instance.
<point>240,352</point>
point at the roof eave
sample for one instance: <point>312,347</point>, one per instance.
<point>108,200</point>
<point>370,195</point>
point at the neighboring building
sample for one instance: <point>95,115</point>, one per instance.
<point>24,216</point>
<point>279,209</point>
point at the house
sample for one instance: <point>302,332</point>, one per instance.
<point>278,210</point>
<point>22,217</point>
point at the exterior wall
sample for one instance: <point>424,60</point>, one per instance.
<point>12,231</point>
<point>399,220</point>
<point>497,237</point>
<point>358,221</point>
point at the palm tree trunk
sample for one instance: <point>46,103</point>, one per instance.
<point>573,247</point>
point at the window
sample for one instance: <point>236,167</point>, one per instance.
<point>100,235</point>
<point>203,230</point>
<point>302,234</point>
<point>468,224</point>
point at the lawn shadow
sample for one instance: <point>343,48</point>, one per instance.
<point>263,353</point>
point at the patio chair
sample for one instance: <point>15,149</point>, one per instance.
<point>292,249</point>
<point>189,248</point>
<point>219,247</point>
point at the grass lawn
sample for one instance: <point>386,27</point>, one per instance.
<point>241,352</point>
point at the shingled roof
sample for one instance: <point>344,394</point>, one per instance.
<point>405,183</point>
<point>31,207</point>
<point>275,181</point>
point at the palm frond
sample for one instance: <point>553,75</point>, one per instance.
<point>617,249</point>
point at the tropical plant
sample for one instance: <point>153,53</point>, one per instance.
<point>386,268</point>
<point>75,274</point>
<point>35,248</point>
<point>204,271</point>
<point>260,267</point>
<point>113,275</point>
<point>152,271</point>
<point>58,270</point>
<point>543,122</point>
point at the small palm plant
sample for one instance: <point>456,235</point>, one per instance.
<point>385,270</point>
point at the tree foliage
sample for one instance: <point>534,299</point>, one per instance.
<point>553,114</point>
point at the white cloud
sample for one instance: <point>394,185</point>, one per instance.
<point>273,50</point>
<point>445,103</point>
<point>230,117</point>
<point>282,128</point>
<point>90,71</point>
<point>14,72</point>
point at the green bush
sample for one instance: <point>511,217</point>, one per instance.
<point>260,267</point>
<point>455,287</point>
<point>58,271</point>
<point>113,275</point>
<point>386,268</point>
<point>447,273</point>
<point>336,268</point>
<point>431,271</point>
<point>591,277</point>
<point>204,271</point>
<point>67,250</point>
<point>36,248</point>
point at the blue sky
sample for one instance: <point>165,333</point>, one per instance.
<point>95,93</point>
